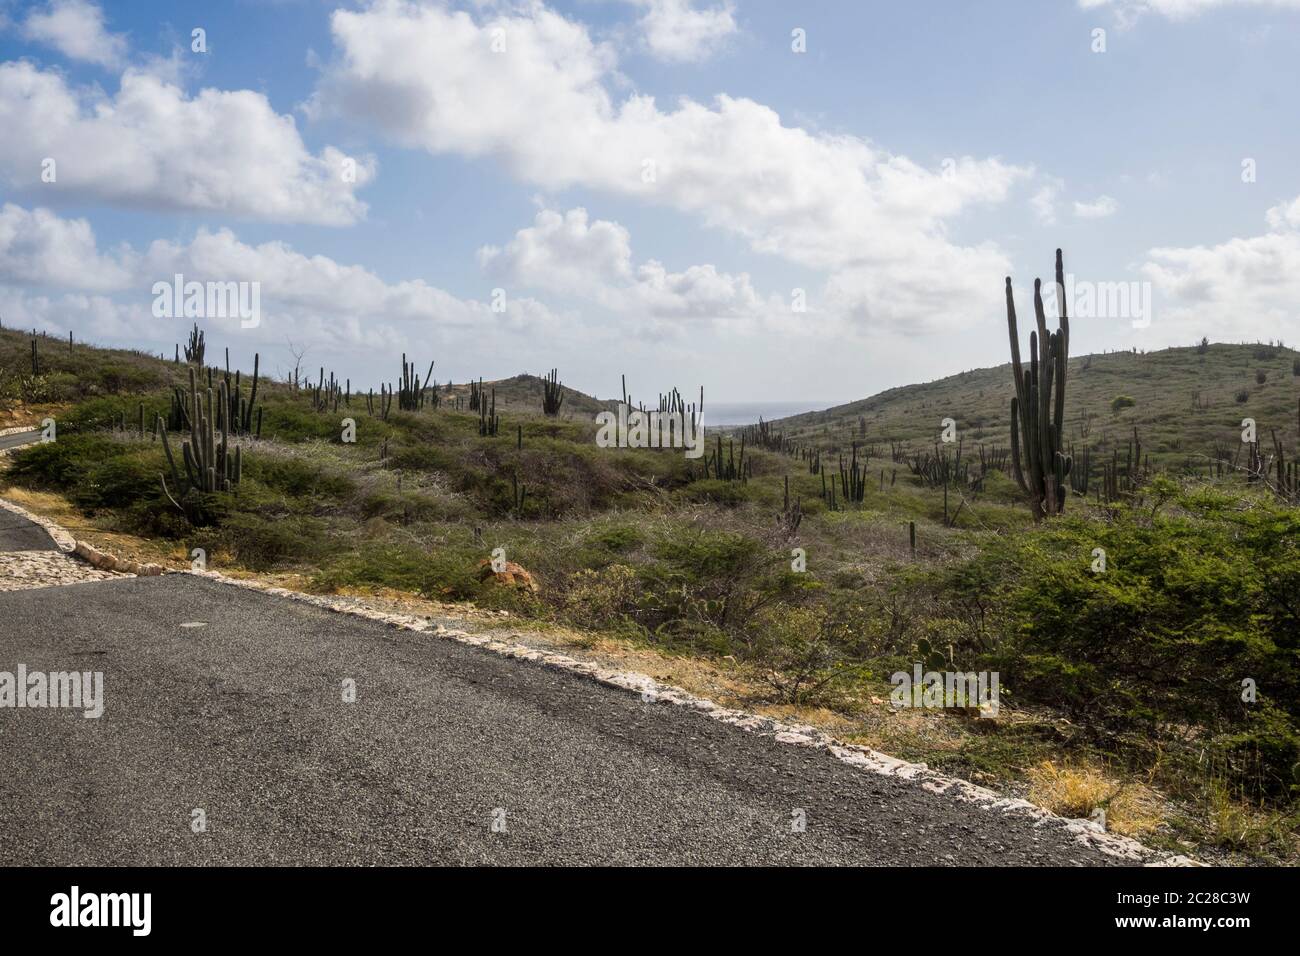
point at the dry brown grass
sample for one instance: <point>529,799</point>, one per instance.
<point>1131,807</point>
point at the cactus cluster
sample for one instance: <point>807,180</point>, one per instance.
<point>853,479</point>
<point>195,348</point>
<point>552,393</point>
<point>671,403</point>
<point>791,517</point>
<point>326,395</point>
<point>731,468</point>
<point>488,419</point>
<point>410,394</point>
<point>942,467</point>
<point>385,402</point>
<point>828,494</point>
<point>209,465</point>
<point>993,458</point>
<point>1038,462</point>
<point>239,411</point>
<point>1127,476</point>
<point>762,436</point>
<point>1288,473</point>
<point>1080,471</point>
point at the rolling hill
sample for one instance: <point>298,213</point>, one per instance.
<point>1185,401</point>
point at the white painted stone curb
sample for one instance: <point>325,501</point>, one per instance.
<point>87,552</point>
<point>66,543</point>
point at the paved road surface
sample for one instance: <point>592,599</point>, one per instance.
<point>18,534</point>
<point>19,438</point>
<point>244,719</point>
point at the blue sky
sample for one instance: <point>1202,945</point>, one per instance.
<point>893,173</point>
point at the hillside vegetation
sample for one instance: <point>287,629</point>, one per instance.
<point>1120,690</point>
<point>1184,402</point>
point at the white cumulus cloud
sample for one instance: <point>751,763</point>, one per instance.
<point>683,31</point>
<point>313,298</point>
<point>570,254</point>
<point>1241,288</point>
<point>39,248</point>
<point>1129,10</point>
<point>429,78</point>
<point>76,29</point>
<point>153,145</point>
<point>1102,207</point>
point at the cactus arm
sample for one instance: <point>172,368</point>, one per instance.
<point>163,479</point>
<point>252,396</point>
<point>1016,469</point>
<point>167,448</point>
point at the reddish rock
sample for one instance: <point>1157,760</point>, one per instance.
<point>512,576</point>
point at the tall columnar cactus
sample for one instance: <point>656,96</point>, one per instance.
<point>1038,462</point>
<point>553,393</point>
<point>410,395</point>
<point>1080,471</point>
<point>36,358</point>
<point>385,401</point>
<point>518,493</point>
<point>730,469</point>
<point>209,465</point>
<point>239,413</point>
<point>488,420</point>
<point>195,348</point>
<point>853,480</point>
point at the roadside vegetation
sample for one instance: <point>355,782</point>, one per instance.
<point>1163,690</point>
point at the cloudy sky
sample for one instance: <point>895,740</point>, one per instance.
<point>778,201</point>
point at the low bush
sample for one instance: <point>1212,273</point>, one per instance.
<point>1194,615</point>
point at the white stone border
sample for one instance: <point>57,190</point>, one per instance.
<point>68,544</point>
<point>65,541</point>
<point>1085,831</point>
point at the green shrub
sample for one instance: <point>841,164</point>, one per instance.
<point>448,572</point>
<point>805,654</point>
<point>1191,604</point>
<point>602,598</point>
<point>61,464</point>
<point>727,493</point>
<point>118,482</point>
<point>298,477</point>
<point>262,543</point>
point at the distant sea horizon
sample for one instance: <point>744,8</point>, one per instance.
<point>732,414</point>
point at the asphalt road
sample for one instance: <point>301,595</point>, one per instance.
<point>243,718</point>
<point>18,534</point>
<point>18,438</point>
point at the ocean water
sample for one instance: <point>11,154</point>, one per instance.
<point>730,414</point>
